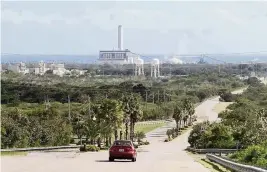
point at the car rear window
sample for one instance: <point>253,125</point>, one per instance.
<point>122,143</point>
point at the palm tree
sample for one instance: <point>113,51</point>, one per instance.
<point>178,115</point>
<point>185,119</point>
<point>132,113</point>
<point>79,126</point>
<point>112,117</point>
<point>126,114</point>
<point>189,109</point>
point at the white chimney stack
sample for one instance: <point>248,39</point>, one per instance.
<point>120,37</point>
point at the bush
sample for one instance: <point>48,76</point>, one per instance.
<point>104,148</point>
<point>172,133</point>
<point>254,155</point>
<point>144,143</point>
<point>253,81</point>
<point>227,97</point>
<point>83,142</point>
<point>139,135</point>
<point>72,141</point>
<point>168,140</point>
<point>89,148</point>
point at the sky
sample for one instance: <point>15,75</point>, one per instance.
<point>69,27</point>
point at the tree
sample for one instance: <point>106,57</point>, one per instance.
<point>111,116</point>
<point>253,81</point>
<point>79,126</point>
<point>178,115</point>
<point>132,113</point>
<point>189,109</point>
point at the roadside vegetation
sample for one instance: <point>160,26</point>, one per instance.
<point>183,115</point>
<point>37,111</point>
<point>149,127</point>
<point>243,126</point>
<point>13,153</point>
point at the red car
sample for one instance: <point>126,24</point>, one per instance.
<point>122,149</point>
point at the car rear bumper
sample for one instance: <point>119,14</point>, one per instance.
<point>122,155</point>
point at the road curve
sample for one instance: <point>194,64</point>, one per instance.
<point>156,157</point>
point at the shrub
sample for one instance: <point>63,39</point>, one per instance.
<point>168,139</point>
<point>89,148</point>
<point>227,97</point>
<point>173,133</point>
<point>254,155</point>
<point>83,142</point>
<point>139,135</point>
<point>144,143</point>
<point>169,133</point>
<point>104,148</point>
<point>72,141</point>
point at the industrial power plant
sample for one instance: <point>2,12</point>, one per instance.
<point>125,56</point>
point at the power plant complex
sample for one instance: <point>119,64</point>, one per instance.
<point>120,55</point>
<point>125,56</point>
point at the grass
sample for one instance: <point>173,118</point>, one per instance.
<point>138,128</point>
<point>14,153</point>
<point>221,106</point>
<point>213,167</point>
<point>148,128</point>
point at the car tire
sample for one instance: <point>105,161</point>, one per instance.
<point>111,159</point>
<point>133,159</point>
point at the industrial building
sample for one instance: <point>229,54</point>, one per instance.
<point>120,55</point>
<point>18,68</point>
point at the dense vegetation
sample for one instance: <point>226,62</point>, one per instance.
<point>253,155</point>
<point>31,106</point>
<point>243,125</point>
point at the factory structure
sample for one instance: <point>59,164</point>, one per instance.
<point>125,56</point>
<point>119,55</point>
<point>41,68</point>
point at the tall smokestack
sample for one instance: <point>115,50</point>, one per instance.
<point>120,37</point>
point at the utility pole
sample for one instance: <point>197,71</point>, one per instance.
<point>170,70</point>
<point>153,98</point>
<point>146,96</point>
<point>49,105</point>
<point>69,107</point>
<point>158,96</point>
<point>45,103</point>
<point>164,95</point>
<point>89,110</point>
<point>241,66</point>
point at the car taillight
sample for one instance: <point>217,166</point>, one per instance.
<point>112,149</point>
<point>129,149</point>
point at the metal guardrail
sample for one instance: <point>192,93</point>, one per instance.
<point>212,151</point>
<point>39,148</point>
<point>151,122</point>
<point>233,165</point>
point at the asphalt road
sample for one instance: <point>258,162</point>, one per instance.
<point>156,157</point>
